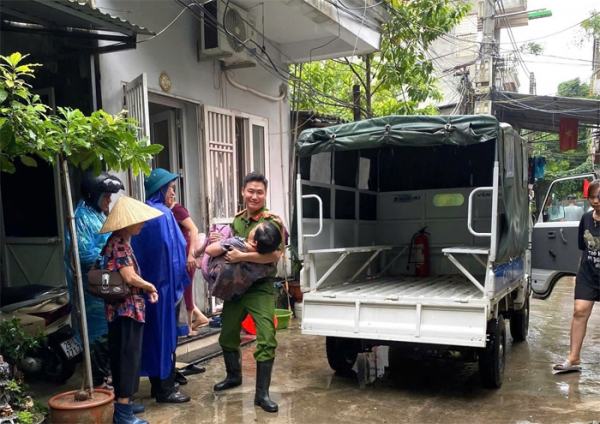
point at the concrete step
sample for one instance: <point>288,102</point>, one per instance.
<point>204,346</point>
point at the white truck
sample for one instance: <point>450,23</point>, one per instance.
<point>364,191</point>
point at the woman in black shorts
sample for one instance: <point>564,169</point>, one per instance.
<point>587,283</point>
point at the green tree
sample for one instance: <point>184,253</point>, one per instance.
<point>532,48</point>
<point>395,80</point>
<point>590,27</point>
<point>28,134</point>
<point>574,88</point>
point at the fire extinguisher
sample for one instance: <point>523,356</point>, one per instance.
<point>419,252</point>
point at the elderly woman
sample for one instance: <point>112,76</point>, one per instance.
<point>96,192</point>
<point>160,248</point>
<point>126,318</point>
<point>190,232</point>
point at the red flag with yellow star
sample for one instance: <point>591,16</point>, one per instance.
<point>568,133</point>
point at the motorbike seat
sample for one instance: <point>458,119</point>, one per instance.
<point>12,295</point>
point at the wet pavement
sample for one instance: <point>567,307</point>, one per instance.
<point>432,391</point>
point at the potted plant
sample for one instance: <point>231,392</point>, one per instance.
<point>28,134</point>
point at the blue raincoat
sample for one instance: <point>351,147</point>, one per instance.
<point>88,222</point>
<point>160,252</point>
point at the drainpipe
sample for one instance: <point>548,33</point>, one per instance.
<point>253,91</point>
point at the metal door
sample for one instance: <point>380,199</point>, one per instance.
<point>555,251</point>
<point>136,103</point>
<point>33,228</point>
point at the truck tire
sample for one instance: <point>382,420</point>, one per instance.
<point>341,353</point>
<point>519,323</point>
<point>492,358</point>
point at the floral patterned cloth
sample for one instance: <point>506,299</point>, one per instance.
<point>117,254</point>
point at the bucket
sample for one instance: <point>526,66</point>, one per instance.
<point>298,310</point>
<point>249,326</point>
<point>283,318</point>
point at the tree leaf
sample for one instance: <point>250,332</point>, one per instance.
<point>153,149</point>
<point>6,165</point>
<point>27,161</point>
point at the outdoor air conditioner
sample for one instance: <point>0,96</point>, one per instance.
<point>215,41</point>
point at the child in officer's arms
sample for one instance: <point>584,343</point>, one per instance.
<point>229,281</point>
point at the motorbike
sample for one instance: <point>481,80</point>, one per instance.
<point>49,309</point>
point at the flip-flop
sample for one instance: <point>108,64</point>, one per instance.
<point>566,367</point>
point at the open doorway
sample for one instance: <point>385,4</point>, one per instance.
<point>165,129</point>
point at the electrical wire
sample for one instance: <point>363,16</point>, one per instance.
<point>164,29</point>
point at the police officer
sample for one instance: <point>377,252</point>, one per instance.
<point>258,301</point>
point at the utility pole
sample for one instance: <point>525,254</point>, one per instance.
<point>356,101</point>
<point>532,90</point>
<point>595,82</point>
<point>484,68</point>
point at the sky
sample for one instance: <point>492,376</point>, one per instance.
<point>550,71</point>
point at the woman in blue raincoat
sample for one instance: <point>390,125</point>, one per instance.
<point>90,214</point>
<point>160,250</point>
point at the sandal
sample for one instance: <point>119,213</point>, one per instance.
<point>566,366</point>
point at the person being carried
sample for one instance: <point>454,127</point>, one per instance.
<point>229,281</point>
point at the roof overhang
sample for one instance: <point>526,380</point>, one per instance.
<point>543,113</point>
<point>69,18</point>
<point>308,30</point>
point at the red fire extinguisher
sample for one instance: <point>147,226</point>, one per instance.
<point>419,252</point>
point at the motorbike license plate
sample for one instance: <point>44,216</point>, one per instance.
<point>71,347</point>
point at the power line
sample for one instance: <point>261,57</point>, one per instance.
<point>164,29</point>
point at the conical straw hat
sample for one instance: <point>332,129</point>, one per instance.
<point>126,212</point>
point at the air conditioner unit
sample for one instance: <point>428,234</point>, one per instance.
<point>226,33</point>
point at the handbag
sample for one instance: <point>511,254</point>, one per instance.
<point>107,285</point>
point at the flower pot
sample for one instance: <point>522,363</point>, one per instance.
<point>64,409</point>
<point>296,291</point>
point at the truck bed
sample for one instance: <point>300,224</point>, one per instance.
<point>448,287</point>
<point>443,310</point>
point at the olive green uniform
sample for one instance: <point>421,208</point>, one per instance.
<point>258,301</point>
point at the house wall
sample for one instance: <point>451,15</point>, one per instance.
<point>174,53</point>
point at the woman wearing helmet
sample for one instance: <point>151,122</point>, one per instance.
<point>90,214</point>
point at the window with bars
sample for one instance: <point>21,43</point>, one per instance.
<point>235,144</point>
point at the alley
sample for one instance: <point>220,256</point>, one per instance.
<point>308,391</point>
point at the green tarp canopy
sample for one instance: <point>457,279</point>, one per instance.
<point>399,131</point>
<point>431,131</point>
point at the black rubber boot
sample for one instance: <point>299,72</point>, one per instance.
<point>263,381</point>
<point>233,365</point>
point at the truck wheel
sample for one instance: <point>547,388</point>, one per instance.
<point>341,353</point>
<point>519,323</point>
<point>492,358</point>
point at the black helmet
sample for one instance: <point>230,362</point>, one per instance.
<point>93,187</point>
